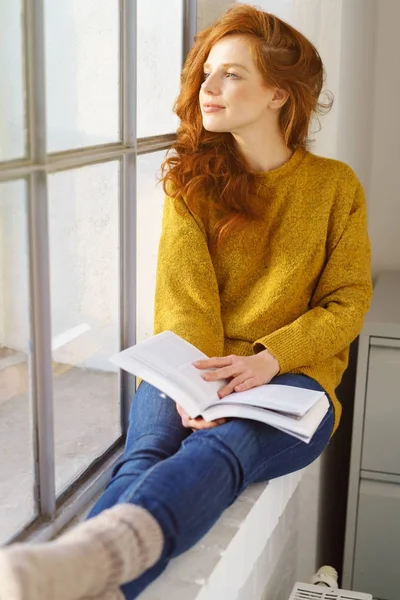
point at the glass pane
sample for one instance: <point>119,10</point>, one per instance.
<point>150,200</point>
<point>82,70</point>
<point>12,110</point>
<point>160,34</point>
<point>16,442</point>
<point>210,10</point>
<point>84,264</point>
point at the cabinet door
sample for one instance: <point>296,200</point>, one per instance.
<point>377,552</point>
<point>381,443</point>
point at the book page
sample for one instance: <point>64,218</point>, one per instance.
<point>206,391</point>
<point>171,354</point>
<point>169,350</point>
<point>159,379</point>
<point>172,358</point>
<point>281,398</point>
<point>302,427</point>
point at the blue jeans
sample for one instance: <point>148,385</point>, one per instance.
<point>187,479</point>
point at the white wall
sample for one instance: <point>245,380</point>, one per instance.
<point>321,22</point>
<point>356,84</point>
<point>209,10</point>
<point>384,184</point>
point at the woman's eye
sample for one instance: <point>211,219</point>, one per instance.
<point>227,75</point>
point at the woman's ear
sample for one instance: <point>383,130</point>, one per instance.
<point>279,98</point>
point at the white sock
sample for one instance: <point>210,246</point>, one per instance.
<point>97,556</point>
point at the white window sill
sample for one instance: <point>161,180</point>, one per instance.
<point>236,559</point>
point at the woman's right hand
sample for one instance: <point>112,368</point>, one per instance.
<point>198,423</point>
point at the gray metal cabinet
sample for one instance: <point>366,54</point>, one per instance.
<point>377,548</point>
<point>381,440</point>
<point>372,545</point>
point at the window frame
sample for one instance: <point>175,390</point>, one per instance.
<point>54,513</point>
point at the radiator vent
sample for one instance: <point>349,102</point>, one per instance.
<point>305,591</point>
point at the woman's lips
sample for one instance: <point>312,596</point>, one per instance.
<point>210,108</point>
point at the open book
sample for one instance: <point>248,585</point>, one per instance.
<point>166,362</point>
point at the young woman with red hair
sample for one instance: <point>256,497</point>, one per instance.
<point>264,264</point>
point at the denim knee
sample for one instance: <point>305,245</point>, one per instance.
<point>209,443</point>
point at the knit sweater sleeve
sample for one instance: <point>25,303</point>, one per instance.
<point>187,298</point>
<point>339,303</point>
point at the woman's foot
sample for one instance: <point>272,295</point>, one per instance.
<point>98,555</point>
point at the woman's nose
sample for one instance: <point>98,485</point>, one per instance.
<point>211,86</point>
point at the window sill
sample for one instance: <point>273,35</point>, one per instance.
<point>237,557</point>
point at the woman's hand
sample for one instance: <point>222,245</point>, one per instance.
<point>244,372</point>
<point>197,423</point>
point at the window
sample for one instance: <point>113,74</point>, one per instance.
<point>88,116</point>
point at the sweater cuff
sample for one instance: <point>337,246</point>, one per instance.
<point>285,347</point>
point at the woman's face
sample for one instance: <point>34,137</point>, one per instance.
<point>234,95</point>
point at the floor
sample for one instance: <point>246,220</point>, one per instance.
<point>86,423</point>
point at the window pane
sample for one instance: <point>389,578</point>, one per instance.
<point>84,264</point>
<point>160,34</point>
<point>82,69</point>
<point>150,200</point>
<point>12,110</point>
<point>16,443</point>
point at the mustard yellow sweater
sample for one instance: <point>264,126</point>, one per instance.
<point>297,283</point>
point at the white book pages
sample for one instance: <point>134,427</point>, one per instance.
<point>283,398</point>
<point>303,427</point>
<point>160,380</point>
<point>173,358</point>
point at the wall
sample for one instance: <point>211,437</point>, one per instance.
<point>384,180</point>
<point>321,22</point>
<point>209,10</point>
<point>356,85</point>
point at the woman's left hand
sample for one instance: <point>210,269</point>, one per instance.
<point>245,372</point>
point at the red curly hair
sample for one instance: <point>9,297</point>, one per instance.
<point>207,166</point>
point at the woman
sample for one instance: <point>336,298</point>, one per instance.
<point>264,264</point>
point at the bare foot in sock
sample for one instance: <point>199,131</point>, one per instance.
<point>98,555</point>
